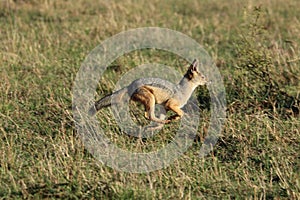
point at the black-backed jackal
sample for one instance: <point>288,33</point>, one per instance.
<point>151,91</point>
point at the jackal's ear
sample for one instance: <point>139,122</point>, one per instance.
<point>194,65</point>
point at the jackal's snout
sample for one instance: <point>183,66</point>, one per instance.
<point>202,79</point>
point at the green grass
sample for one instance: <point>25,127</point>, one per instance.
<point>43,44</point>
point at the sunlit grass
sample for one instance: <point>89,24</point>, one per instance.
<point>43,44</point>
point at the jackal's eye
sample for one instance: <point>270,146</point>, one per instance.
<point>202,76</point>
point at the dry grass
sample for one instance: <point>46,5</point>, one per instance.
<point>43,45</point>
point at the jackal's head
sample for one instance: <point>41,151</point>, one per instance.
<point>194,75</point>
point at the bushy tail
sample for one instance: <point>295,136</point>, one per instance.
<point>106,101</point>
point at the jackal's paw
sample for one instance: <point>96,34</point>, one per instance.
<point>167,121</point>
<point>147,115</point>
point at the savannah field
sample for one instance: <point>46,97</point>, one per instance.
<point>254,44</point>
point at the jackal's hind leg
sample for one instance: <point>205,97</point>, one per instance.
<point>172,105</point>
<point>148,100</point>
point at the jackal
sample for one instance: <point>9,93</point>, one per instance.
<point>151,91</point>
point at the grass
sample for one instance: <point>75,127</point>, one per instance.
<point>43,46</point>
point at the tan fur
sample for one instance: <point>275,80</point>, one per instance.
<point>171,97</point>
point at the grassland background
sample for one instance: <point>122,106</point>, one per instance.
<point>43,44</point>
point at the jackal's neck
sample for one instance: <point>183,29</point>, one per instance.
<point>186,87</point>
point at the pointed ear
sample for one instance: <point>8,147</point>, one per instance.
<point>194,65</point>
